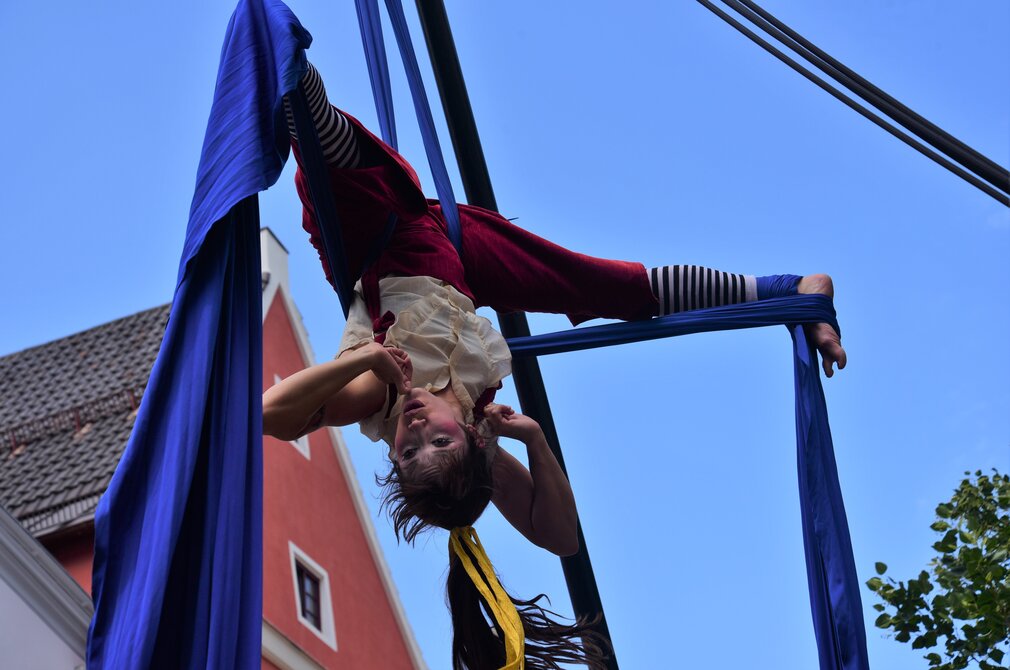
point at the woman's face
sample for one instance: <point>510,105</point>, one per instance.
<point>427,426</point>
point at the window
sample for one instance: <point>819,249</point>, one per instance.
<point>301,443</point>
<point>308,595</point>
<point>312,601</point>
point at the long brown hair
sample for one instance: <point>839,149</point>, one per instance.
<point>453,492</point>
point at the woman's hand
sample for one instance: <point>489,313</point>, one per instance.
<point>390,364</point>
<point>504,421</point>
<point>335,393</point>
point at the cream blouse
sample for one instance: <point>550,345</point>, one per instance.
<point>448,344</point>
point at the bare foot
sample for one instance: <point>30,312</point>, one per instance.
<point>824,336</point>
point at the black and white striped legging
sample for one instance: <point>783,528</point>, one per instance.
<point>336,134</point>
<point>678,288</point>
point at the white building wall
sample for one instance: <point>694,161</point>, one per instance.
<point>26,641</point>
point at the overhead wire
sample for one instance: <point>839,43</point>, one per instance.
<point>844,76</point>
<point>984,167</point>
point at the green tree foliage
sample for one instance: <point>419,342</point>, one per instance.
<point>970,576</point>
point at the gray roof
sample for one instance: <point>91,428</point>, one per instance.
<point>66,411</point>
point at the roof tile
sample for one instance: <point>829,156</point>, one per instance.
<point>66,411</point>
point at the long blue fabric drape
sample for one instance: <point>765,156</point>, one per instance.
<point>831,573</point>
<point>370,24</point>
<point>831,570</point>
<point>178,534</point>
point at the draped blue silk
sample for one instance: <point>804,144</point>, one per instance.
<point>378,70</point>
<point>178,534</point>
<point>831,570</point>
<point>831,573</point>
<point>370,26</point>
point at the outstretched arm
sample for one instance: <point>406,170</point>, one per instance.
<point>335,393</point>
<point>335,132</point>
<point>538,502</point>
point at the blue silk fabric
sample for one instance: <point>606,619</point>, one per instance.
<point>178,534</point>
<point>831,572</point>
<point>370,23</point>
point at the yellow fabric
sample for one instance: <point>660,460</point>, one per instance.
<point>504,611</point>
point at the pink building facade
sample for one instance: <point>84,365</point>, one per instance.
<point>328,600</point>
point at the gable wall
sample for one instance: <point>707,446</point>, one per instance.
<point>75,552</point>
<point>309,502</point>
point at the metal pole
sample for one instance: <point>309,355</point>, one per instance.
<point>529,382</point>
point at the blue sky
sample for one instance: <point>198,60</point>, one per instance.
<point>656,134</point>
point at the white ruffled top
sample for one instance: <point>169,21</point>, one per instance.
<point>448,344</point>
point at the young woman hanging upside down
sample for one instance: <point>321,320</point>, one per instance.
<point>418,368</point>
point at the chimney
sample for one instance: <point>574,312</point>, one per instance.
<point>274,262</point>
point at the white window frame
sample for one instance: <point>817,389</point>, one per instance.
<point>328,634</point>
<point>300,443</point>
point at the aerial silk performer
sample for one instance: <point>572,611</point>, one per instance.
<point>418,369</point>
<point>177,572</point>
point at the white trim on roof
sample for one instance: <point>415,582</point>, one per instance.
<point>274,262</point>
<point>41,582</point>
<point>301,335</point>
<point>284,653</point>
<point>365,518</point>
<point>299,443</point>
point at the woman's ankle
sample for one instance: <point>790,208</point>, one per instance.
<point>817,283</point>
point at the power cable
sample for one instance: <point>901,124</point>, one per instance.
<point>988,169</point>
<point>860,109</point>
